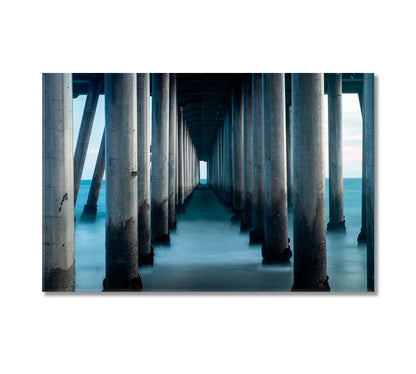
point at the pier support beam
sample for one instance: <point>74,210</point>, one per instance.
<point>180,159</point>
<point>289,161</point>
<point>308,184</point>
<point>185,161</point>
<point>121,254</point>
<point>257,234</point>
<point>227,170</point>
<point>143,171</point>
<point>229,124</point>
<point>238,147</point>
<point>362,237</point>
<point>368,100</point>
<point>336,200</point>
<point>90,209</point>
<point>172,150</point>
<point>84,134</point>
<point>160,158</point>
<point>58,270</point>
<point>275,248</point>
<point>247,219</point>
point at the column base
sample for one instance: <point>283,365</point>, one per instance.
<point>274,257</point>
<point>59,280</point>
<point>235,218</point>
<point>147,259</point>
<point>89,213</point>
<point>362,236</point>
<point>162,239</point>
<point>336,226</point>
<point>172,226</point>
<point>134,284</point>
<point>244,226</point>
<point>308,285</point>
<point>256,236</point>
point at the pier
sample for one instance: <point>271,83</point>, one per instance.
<point>261,136</point>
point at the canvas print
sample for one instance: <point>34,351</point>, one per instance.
<point>208,182</point>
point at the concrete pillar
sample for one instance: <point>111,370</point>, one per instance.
<point>362,237</point>
<point>58,270</point>
<point>212,162</point>
<point>336,200</point>
<point>209,179</point>
<point>238,147</point>
<point>289,159</point>
<point>121,253</point>
<point>143,170</point>
<point>172,154</point>
<point>194,169</point>
<point>160,157</point>
<point>275,247</point>
<point>84,134</point>
<point>221,163</point>
<point>218,150</point>
<point>229,124</point>
<point>308,184</point>
<point>257,234</point>
<point>226,163</point>
<point>180,159</point>
<point>247,218</point>
<point>185,161</point>
<point>90,209</point>
<point>176,160</point>
<point>198,175</point>
<point>368,101</point>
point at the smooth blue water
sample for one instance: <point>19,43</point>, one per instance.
<point>209,253</point>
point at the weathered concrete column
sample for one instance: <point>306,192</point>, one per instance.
<point>198,173</point>
<point>308,184</point>
<point>247,218</point>
<point>185,161</point>
<point>160,158</point>
<point>143,171</point>
<point>226,163</point>
<point>209,178</point>
<point>219,158</point>
<point>90,208</point>
<point>194,169</point>
<point>257,234</point>
<point>121,255</point>
<point>229,124</point>
<point>275,247</point>
<point>238,147</point>
<point>58,270</point>
<point>84,134</point>
<point>177,161</point>
<point>362,237</point>
<point>289,159</point>
<point>180,159</point>
<point>368,101</point>
<point>336,199</point>
<point>172,155</point>
<point>221,162</point>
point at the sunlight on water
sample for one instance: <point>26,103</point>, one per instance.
<point>209,253</point>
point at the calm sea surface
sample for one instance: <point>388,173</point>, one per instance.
<point>209,253</point>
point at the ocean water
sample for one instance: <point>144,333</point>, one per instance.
<point>208,252</point>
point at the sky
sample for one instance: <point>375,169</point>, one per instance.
<point>351,135</point>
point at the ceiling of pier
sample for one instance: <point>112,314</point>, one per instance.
<point>204,97</point>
